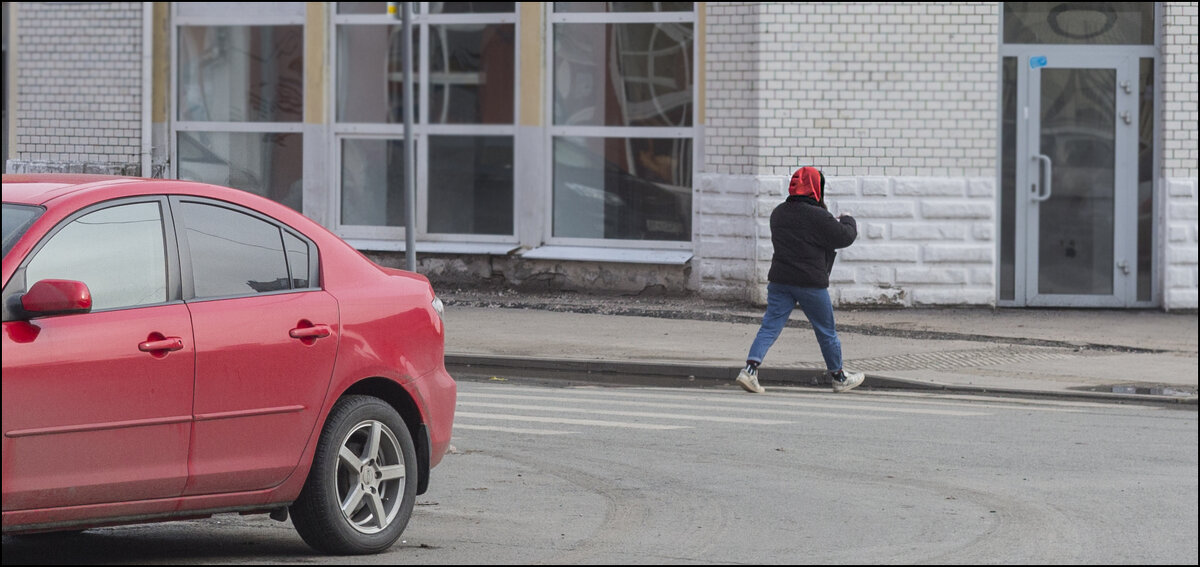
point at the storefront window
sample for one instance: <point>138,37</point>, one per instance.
<point>623,104</point>
<point>240,107</point>
<point>1079,23</point>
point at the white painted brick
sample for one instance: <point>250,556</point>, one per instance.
<point>956,210</point>
<point>841,275</point>
<point>872,230</point>
<point>965,296</point>
<point>873,296</point>
<point>930,275</point>
<point>928,231</point>
<point>957,254</point>
<point>929,187</point>
<point>875,274</point>
<point>880,253</point>
<point>881,209</point>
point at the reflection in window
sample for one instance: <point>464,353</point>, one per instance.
<point>370,74</point>
<point>623,74</point>
<point>118,252</point>
<point>1079,23</point>
<point>433,7</point>
<point>233,253</point>
<point>297,255</point>
<point>471,184</point>
<point>270,165</point>
<point>373,182</point>
<point>623,6</point>
<point>241,73</point>
<point>471,81</point>
<point>623,188</point>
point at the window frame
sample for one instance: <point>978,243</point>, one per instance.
<point>177,125</point>
<point>186,275</point>
<point>553,131</point>
<point>393,237</point>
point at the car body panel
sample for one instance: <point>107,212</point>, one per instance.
<point>249,432</point>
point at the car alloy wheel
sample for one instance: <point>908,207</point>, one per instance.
<point>362,486</point>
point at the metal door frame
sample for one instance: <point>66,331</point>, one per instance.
<point>1028,171</point>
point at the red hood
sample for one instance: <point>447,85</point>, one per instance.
<point>806,181</point>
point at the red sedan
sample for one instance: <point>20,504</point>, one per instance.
<point>175,349</point>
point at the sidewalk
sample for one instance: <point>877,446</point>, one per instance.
<point>1119,355</point>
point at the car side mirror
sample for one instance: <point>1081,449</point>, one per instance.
<point>56,297</point>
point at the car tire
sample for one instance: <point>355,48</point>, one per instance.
<point>369,481</point>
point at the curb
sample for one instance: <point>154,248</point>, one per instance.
<point>688,374</point>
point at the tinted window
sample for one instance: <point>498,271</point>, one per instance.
<point>233,253</point>
<point>118,252</point>
<point>297,254</point>
<point>17,218</point>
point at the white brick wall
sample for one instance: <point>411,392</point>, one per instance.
<point>1180,278</point>
<point>856,89</point>
<point>1180,100</point>
<point>79,81</point>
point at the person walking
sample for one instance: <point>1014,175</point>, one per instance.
<point>805,236</point>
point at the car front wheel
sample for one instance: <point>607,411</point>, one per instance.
<point>362,486</point>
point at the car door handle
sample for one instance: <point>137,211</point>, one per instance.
<point>313,332</point>
<point>164,344</point>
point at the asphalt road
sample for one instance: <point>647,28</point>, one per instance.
<point>540,473</point>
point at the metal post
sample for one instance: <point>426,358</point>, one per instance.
<point>410,190</point>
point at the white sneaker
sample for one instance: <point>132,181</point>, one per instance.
<point>851,381</point>
<point>750,382</point>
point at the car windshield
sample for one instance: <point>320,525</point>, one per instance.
<point>17,219</point>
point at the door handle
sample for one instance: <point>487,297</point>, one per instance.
<point>164,344</point>
<point>1049,174</point>
<point>313,332</point>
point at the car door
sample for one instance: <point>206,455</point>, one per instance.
<point>97,405</point>
<point>266,338</point>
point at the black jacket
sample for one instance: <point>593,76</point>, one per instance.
<point>805,236</point>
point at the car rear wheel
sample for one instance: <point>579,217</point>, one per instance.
<point>363,483</point>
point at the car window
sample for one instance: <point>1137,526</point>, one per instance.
<point>119,252</point>
<point>233,253</point>
<point>17,219</point>
<point>297,254</point>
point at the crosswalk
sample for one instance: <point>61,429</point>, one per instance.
<point>536,410</point>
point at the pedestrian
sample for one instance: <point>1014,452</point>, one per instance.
<point>805,236</point>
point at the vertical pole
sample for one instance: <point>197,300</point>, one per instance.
<point>410,190</point>
<point>403,11</point>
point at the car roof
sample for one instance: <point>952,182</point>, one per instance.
<point>37,188</point>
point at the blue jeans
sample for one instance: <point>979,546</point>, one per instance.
<point>815,303</point>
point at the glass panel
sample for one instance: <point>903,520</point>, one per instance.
<point>17,219</point>
<point>241,73</point>
<point>1008,181</point>
<point>623,6</point>
<point>471,81</point>
<point>1093,23</point>
<point>233,253</point>
<point>623,74</point>
<point>373,182</point>
<point>623,188</point>
<point>271,165</point>
<point>362,7</point>
<point>118,252</point>
<point>1145,198</point>
<point>1078,134</point>
<point>370,74</point>
<point>297,255</point>
<point>470,7</point>
<point>471,184</point>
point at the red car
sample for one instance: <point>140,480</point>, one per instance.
<point>175,349</point>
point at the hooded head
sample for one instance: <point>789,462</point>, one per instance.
<point>809,182</point>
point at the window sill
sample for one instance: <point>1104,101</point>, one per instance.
<point>489,248</point>
<point>597,254</point>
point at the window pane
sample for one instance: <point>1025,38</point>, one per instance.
<point>373,182</point>
<point>271,165</point>
<point>623,74</point>
<point>1008,181</point>
<point>623,188</point>
<point>362,7</point>
<point>623,6</point>
<point>241,73</point>
<point>297,255</point>
<point>471,184</point>
<point>471,81</point>
<point>1146,207</point>
<point>118,252</point>
<point>470,7</point>
<point>370,74</point>
<point>1096,23</point>
<point>233,253</point>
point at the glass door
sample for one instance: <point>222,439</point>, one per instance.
<point>1077,179</point>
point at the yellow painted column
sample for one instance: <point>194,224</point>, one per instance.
<point>533,62</point>
<point>315,32</point>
